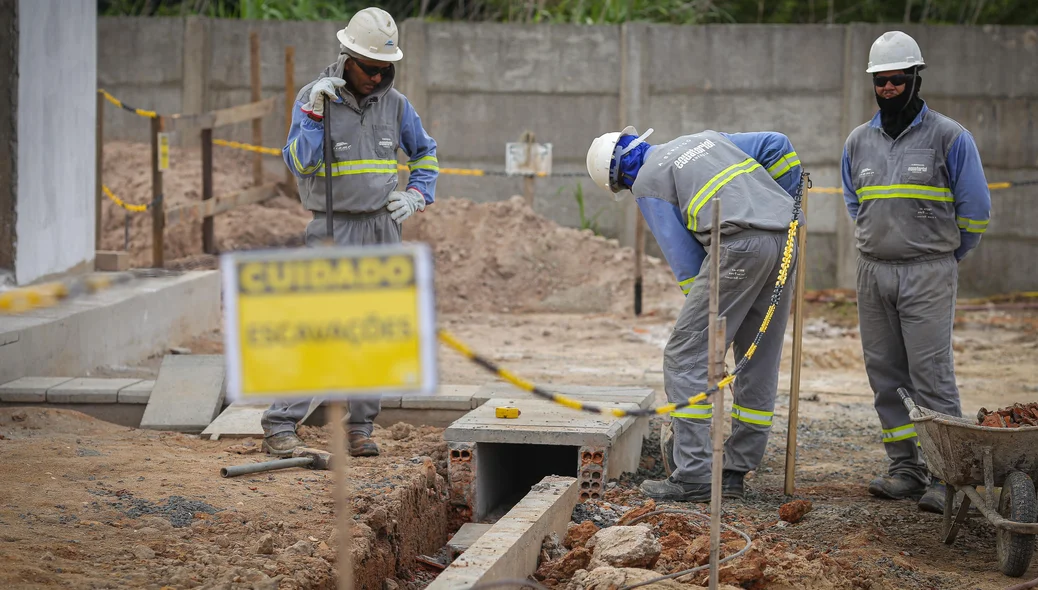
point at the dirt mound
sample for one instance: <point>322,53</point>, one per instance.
<point>502,256</point>
<point>21,422</point>
<point>127,172</point>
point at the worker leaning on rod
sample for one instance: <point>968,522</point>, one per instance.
<point>915,188</point>
<point>676,185</point>
<point>370,120</point>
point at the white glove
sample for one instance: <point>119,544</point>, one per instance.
<point>323,87</point>
<point>404,204</point>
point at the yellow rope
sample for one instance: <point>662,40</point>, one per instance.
<point>122,203</point>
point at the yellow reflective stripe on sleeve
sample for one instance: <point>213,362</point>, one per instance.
<point>299,165</point>
<point>892,435</point>
<point>905,191</point>
<point>424,163</point>
<point>686,285</point>
<point>697,412</point>
<point>351,167</point>
<point>749,416</point>
<point>784,164</point>
<point>971,225</point>
<point>719,180</point>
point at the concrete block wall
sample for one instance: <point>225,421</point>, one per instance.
<point>477,86</point>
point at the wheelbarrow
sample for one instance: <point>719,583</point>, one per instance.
<point>966,455</point>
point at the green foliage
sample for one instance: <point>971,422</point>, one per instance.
<point>682,12</point>
<point>586,222</point>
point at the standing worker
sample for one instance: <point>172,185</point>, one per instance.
<point>676,185</point>
<point>370,120</point>
<point>916,190</point>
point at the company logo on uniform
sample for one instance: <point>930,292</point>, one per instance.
<point>925,213</point>
<point>386,143</point>
<point>342,146</point>
<point>866,172</point>
<point>693,154</point>
<point>917,168</point>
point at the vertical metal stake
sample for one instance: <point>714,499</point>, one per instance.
<point>329,153</point>
<point>158,207</point>
<point>639,256</point>
<point>208,240</point>
<point>715,368</point>
<point>798,266</point>
<point>290,99</point>
<point>126,233</point>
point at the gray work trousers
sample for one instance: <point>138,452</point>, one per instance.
<point>349,230</point>
<point>905,314</point>
<point>749,268</point>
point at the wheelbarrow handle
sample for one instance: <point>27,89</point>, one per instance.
<point>906,399</point>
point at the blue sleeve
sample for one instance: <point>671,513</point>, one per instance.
<point>774,152</point>
<point>849,195</point>
<point>304,152</point>
<point>421,151</point>
<point>682,251</point>
<point>969,186</point>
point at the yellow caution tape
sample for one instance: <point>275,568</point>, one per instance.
<point>121,203</point>
<point>247,147</point>
<point>126,107</point>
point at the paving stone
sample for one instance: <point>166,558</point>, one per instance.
<point>138,393</point>
<point>447,397</point>
<point>88,390</point>
<point>29,389</point>
<point>469,533</point>
<point>540,422</point>
<point>188,393</point>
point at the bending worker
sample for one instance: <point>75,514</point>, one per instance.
<point>370,120</point>
<point>915,188</point>
<point>676,185</point>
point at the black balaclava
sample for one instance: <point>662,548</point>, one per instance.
<point>897,113</point>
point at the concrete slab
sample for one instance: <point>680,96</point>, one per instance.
<point>540,422</point>
<point>467,535</point>
<point>447,397</point>
<point>436,418</point>
<point>138,393</point>
<point>88,390</point>
<point>29,389</point>
<point>188,393</point>
<point>123,325</point>
<point>509,550</point>
<point>642,396</point>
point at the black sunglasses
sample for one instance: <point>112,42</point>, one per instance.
<point>896,80</point>
<point>373,71</point>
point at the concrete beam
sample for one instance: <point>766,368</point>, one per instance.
<point>511,547</point>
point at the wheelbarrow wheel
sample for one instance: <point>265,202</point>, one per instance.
<point>1016,502</point>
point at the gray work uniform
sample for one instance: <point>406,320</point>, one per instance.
<point>907,276</point>
<point>694,172</point>
<point>364,136</point>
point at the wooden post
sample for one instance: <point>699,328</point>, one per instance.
<point>257,123</point>
<point>99,148</point>
<point>528,181</point>
<point>158,213</point>
<point>290,99</point>
<point>208,243</point>
<point>798,339</point>
<point>344,559</point>
<point>639,256</point>
<point>715,368</point>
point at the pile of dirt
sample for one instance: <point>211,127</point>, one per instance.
<point>503,256</point>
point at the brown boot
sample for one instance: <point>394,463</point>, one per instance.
<point>361,445</point>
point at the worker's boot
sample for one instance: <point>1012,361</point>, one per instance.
<point>732,484</point>
<point>282,444</point>
<point>361,445</point>
<point>896,487</point>
<point>676,491</point>
<point>933,499</point>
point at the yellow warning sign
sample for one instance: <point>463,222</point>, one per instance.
<point>163,151</point>
<point>329,322</point>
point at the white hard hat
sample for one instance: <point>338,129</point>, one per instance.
<point>372,33</point>
<point>604,156</point>
<point>894,50</point>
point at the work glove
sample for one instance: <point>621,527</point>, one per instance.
<point>403,204</point>
<point>323,87</point>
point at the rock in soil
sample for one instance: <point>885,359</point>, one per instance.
<point>578,534</point>
<point>792,512</point>
<point>624,546</point>
<point>607,578</point>
<point>265,545</point>
<point>561,570</point>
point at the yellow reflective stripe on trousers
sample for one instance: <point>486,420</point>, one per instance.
<point>892,435</point>
<point>299,165</point>
<point>905,191</point>
<point>424,163</point>
<point>784,164</point>
<point>686,285</point>
<point>750,416</point>
<point>972,225</point>
<point>698,412</point>
<point>350,167</point>
<point>719,180</point>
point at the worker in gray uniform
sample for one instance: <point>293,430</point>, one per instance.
<point>915,188</point>
<point>676,186</point>
<point>370,121</point>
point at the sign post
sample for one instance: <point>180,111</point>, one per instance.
<point>330,322</point>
